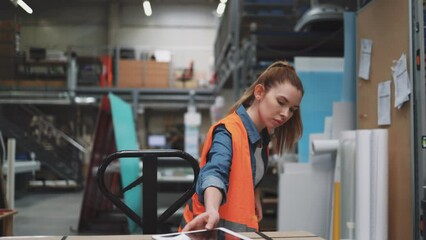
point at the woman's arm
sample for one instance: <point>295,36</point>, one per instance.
<point>216,171</point>
<point>210,218</point>
<point>212,183</point>
<point>258,204</point>
<point>213,198</point>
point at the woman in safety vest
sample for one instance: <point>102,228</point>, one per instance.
<point>235,153</point>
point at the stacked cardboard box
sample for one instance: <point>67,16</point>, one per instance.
<point>143,74</point>
<point>157,74</point>
<point>130,74</point>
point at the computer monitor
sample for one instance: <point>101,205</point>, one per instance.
<point>37,54</point>
<point>156,140</point>
<point>127,53</point>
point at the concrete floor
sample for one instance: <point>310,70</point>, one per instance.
<point>53,213</point>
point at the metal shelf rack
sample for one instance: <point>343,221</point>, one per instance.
<point>254,33</point>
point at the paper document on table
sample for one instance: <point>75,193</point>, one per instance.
<point>365,59</point>
<point>216,233</point>
<point>383,103</point>
<point>401,81</point>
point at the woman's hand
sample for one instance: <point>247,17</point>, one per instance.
<point>206,220</point>
<point>209,218</point>
<point>258,205</point>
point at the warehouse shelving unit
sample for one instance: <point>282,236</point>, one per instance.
<point>83,86</point>
<point>36,82</point>
<point>255,33</point>
<point>418,40</point>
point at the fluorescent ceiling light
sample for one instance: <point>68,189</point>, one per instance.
<point>24,6</point>
<point>147,8</point>
<point>220,8</point>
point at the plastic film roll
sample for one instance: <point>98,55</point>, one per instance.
<point>362,185</point>
<point>347,155</point>
<point>324,146</point>
<point>371,189</point>
<point>379,180</point>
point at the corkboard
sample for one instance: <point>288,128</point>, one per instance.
<point>386,23</point>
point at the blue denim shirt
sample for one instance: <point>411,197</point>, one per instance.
<point>216,171</point>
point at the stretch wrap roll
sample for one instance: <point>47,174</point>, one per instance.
<point>325,145</point>
<point>347,191</point>
<point>371,184</point>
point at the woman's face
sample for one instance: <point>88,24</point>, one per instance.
<point>277,105</point>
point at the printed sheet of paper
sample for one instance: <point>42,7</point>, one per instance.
<point>365,59</point>
<point>384,103</point>
<point>401,81</point>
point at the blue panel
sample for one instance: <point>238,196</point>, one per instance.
<point>125,137</point>
<point>321,90</point>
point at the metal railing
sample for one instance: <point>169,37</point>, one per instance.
<point>53,148</point>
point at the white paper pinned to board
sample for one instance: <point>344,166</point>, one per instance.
<point>401,81</point>
<point>383,103</point>
<point>365,59</point>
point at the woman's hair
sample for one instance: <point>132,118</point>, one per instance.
<point>278,73</point>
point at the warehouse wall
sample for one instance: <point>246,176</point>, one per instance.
<point>188,31</point>
<point>390,36</point>
<point>90,26</point>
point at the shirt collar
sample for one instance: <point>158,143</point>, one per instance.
<point>252,133</point>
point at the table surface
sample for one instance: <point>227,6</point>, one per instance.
<point>295,235</point>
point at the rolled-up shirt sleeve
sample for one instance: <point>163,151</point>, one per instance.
<point>216,171</point>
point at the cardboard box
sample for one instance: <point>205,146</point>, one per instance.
<point>33,83</point>
<point>130,74</point>
<point>189,84</point>
<point>156,74</point>
<point>143,74</point>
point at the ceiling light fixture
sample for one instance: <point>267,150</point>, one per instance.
<point>320,16</point>
<point>147,8</point>
<point>23,5</point>
<point>220,8</point>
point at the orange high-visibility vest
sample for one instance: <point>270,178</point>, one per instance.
<point>238,213</point>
